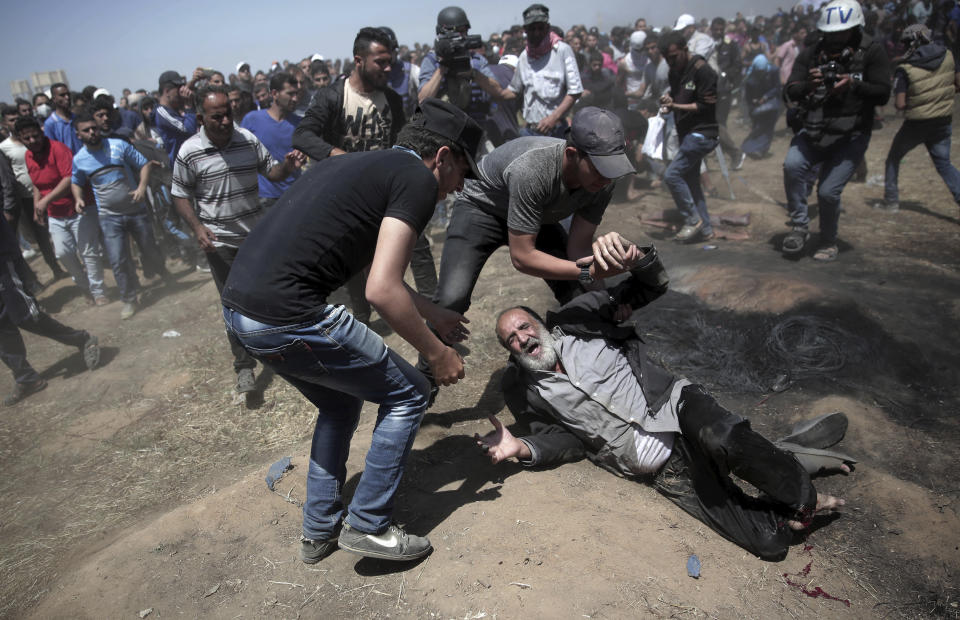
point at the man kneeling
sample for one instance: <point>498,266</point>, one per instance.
<point>585,386</point>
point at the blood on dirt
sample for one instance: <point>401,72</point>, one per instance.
<point>816,592</point>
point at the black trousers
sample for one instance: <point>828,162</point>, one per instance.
<point>714,443</point>
<point>220,261</point>
<point>39,233</point>
<point>18,310</point>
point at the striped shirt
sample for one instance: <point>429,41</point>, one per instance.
<point>223,182</point>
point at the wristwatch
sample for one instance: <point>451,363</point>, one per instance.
<point>585,277</point>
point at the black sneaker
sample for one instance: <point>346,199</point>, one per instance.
<point>22,390</point>
<point>312,551</point>
<point>392,544</point>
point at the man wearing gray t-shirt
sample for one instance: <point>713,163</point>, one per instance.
<point>524,189</point>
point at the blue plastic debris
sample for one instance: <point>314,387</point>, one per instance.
<point>693,566</point>
<point>277,470</point>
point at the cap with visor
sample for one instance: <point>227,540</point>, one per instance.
<point>449,121</point>
<point>599,134</point>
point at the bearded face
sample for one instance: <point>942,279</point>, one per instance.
<point>538,352</point>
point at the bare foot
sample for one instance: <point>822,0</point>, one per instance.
<point>825,504</point>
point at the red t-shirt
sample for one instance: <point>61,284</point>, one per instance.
<point>46,170</point>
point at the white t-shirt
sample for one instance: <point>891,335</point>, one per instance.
<point>545,81</point>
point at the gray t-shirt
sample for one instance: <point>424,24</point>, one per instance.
<point>521,182</point>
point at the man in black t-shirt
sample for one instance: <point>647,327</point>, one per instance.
<point>693,101</point>
<point>344,214</point>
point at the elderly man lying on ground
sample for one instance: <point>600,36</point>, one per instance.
<point>585,386</point>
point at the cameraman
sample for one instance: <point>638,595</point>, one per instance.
<point>836,82</point>
<point>443,77</point>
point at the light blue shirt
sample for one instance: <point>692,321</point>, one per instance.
<point>110,170</point>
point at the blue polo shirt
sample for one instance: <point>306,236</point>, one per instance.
<point>110,170</point>
<point>61,130</point>
<point>278,138</point>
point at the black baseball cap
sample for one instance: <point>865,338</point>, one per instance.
<point>171,77</point>
<point>447,120</point>
<point>599,134</point>
<point>536,13</point>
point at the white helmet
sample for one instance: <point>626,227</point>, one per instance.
<point>840,15</point>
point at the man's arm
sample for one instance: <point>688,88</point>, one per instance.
<point>431,77</point>
<point>205,236</point>
<point>492,87</point>
<point>393,301</point>
<point>875,85</point>
<point>308,136</point>
<point>8,183</point>
<point>141,191</point>
<point>547,124</point>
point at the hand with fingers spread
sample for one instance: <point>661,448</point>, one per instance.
<point>500,444</point>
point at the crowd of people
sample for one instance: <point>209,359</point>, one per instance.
<point>291,182</point>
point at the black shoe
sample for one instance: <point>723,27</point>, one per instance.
<point>22,390</point>
<point>312,551</point>
<point>393,544</point>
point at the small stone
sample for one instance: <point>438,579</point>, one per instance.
<point>146,612</point>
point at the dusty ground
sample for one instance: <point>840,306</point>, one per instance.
<point>140,486</point>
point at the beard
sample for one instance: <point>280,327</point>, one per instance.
<point>545,355</point>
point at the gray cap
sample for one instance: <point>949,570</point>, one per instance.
<point>536,13</point>
<point>599,134</point>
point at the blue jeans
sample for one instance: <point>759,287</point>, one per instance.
<point>683,179</point>
<point>79,234</point>
<point>937,140</point>
<point>837,164</point>
<point>115,229</point>
<point>337,363</point>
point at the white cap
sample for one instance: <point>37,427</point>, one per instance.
<point>240,64</point>
<point>637,39</point>
<point>509,59</point>
<point>683,21</point>
<point>316,57</point>
<point>101,91</point>
<point>840,15</point>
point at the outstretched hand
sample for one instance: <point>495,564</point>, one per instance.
<point>500,444</point>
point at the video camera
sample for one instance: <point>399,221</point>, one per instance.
<point>830,72</point>
<point>453,52</point>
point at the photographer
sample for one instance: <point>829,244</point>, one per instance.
<point>837,81</point>
<point>446,72</point>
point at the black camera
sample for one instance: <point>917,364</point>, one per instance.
<point>453,52</point>
<point>830,72</point>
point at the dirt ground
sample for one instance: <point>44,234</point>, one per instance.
<point>138,490</point>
